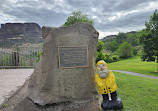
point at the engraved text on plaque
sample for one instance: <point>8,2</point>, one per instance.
<point>73,56</point>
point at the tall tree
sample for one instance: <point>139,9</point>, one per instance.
<point>77,16</point>
<point>149,39</point>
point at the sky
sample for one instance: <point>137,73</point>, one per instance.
<point>110,16</point>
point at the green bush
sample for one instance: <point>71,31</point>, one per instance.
<point>100,56</point>
<point>103,56</point>
<point>115,58</point>
<point>125,50</point>
<point>100,46</point>
<point>112,46</point>
<point>108,59</point>
<point>135,51</point>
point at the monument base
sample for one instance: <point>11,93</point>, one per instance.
<point>19,102</point>
<point>28,105</point>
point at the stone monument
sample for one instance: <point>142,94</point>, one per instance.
<point>66,70</point>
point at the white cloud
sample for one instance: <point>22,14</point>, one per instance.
<point>7,18</point>
<point>110,17</point>
<point>103,33</point>
<point>97,19</point>
<point>145,7</point>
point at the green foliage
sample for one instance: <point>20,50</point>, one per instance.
<point>100,46</point>
<point>38,56</point>
<point>125,50</point>
<point>112,46</point>
<point>149,38</point>
<point>100,56</point>
<point>132,39</point>
<point>104,56</point>
<point>77,16</point>
<point>115,58</point>
<point>4,105</point>
<point>134,51</point>
<point>121,37</point>
<point>108,58</point>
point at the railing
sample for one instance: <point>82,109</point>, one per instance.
<point>19,57</point>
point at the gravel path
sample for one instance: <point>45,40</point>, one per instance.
<point>11,80</point>
<point>136,74</point>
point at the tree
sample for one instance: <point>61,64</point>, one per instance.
<point>132,39</point>
<point>77,16</point>
<point>125,50</point>
<point>149,39</point>
<point>100,46</point>
<point>121,37</point>
<point>100,55</point>
<point>112,46</point>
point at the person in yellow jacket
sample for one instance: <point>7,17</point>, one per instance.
<point>106,83</point>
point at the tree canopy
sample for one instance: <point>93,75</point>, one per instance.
<point>149,38</point>
<point>121,37</point>
<point>112,46</point>
<point>77,16</point>
<point>100,55</point>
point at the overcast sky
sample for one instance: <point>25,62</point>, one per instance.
<point>110,16</point>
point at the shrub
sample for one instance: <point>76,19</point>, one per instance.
<point>100,46</point>
<point>115,58</point>
<point>100,56</point>
<point>135,51</point>
<point>125,50</point>
<point>108,59</point>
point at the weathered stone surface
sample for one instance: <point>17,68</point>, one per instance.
<point>51,84</point>
<point>11,33</point>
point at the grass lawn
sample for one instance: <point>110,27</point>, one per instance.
<point>137,93</point>
<point>135,64</point>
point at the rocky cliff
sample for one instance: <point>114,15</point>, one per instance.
<point>11,33</point>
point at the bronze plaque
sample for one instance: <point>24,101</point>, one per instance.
<point>73,56</point>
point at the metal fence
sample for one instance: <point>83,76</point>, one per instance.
<point>19,57</point>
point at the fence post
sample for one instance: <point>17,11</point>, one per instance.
<point>15,58</point>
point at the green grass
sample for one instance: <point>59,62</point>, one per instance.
<point>137,93</point>
<point>135,64</point>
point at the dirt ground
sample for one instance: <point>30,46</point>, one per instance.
<point>19,102</point>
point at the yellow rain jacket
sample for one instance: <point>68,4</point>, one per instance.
<point>107,85</point>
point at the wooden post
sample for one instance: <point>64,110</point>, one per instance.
<point>15,58</point>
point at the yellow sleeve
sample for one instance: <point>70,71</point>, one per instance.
<point>97,81</point>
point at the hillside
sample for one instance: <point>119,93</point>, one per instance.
<point>111,37</point>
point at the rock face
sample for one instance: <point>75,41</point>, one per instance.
<point>20,32</point>
<point>52,83</point>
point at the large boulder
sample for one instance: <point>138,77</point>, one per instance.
<point>53,82</point>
